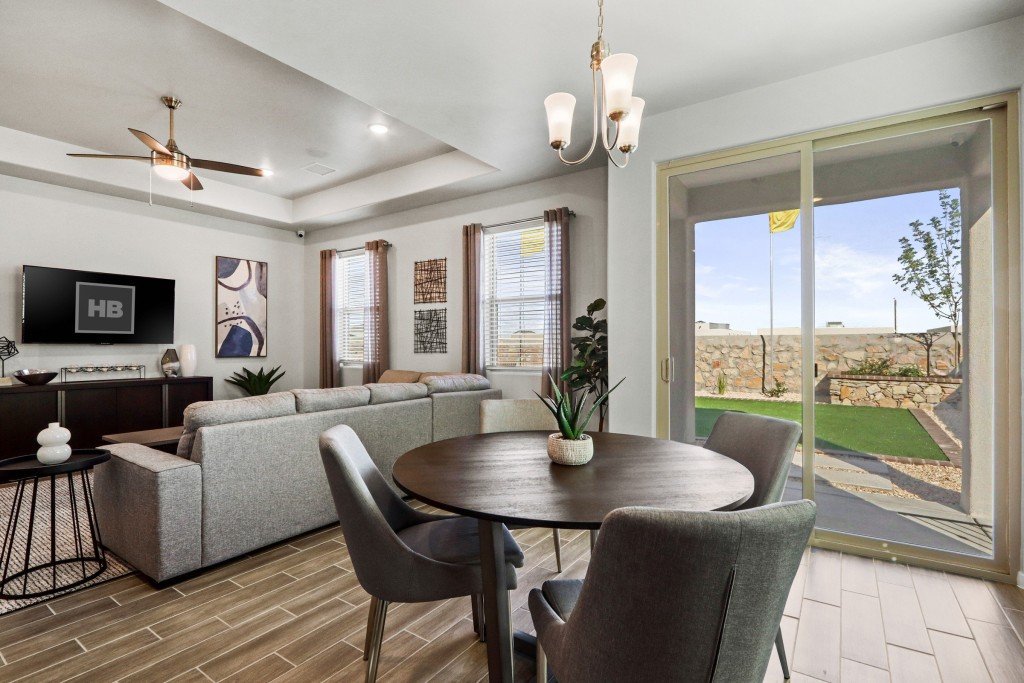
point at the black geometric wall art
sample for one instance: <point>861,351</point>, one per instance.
<point>430,281</point>
<point>430,331</point>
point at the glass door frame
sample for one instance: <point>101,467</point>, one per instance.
<point>1003,114</point>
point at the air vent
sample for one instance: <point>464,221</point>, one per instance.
<point>319,169</point>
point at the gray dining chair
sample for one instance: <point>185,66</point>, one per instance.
<point>765,446</point>
<point>674,596</point>
<point>401,554</point>
<point>520,415</point>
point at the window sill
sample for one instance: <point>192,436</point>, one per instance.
<point>515,371</point>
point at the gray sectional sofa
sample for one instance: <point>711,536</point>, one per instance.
<point>248,473</point>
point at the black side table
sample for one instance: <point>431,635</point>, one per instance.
<point>88,559</point>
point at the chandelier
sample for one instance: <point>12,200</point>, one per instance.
<point>613,104</point>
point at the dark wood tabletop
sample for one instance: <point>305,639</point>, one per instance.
<point>508,477</point>
<point>27,466</point>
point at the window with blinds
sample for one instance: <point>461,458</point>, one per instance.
<point>514,263</point>
<point>350,293</point>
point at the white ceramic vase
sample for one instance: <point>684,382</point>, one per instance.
<point>568,452</point>
<point>53,445</point>
<point>187,358</point>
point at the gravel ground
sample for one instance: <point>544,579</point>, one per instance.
<point>933,483</point>
<point>792,397</point>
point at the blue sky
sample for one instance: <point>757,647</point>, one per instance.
<point>856,247</point>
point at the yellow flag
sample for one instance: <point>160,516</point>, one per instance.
<point>781,221</point>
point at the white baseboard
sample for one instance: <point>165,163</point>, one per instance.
<point>1020,579</point>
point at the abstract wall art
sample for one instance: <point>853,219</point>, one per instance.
<point>430,331</point>
<point>241,313</point>
<point>430,281</point>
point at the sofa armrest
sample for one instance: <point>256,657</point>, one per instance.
<point>149,508</point>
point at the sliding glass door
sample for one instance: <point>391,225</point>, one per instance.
<point>865,283</point>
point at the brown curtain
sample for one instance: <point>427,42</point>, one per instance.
<point>472,350</point>
<point>329,371</point>
<point>557,330</point>
<point>375,334</point>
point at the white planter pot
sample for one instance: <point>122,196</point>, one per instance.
<point>187,358</point>
<point>568,452</point>
<point>53,442</point>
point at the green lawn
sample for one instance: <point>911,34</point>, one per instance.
<point>883,431</point>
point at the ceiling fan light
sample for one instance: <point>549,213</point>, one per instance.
<point>618,71</point>
<point>378,128</point>
<point>559,107</point>
<point>170,171</point>
<point>629,127</point>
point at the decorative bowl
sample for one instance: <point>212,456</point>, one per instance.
<point>34,376</point>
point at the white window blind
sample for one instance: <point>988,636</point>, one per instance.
<point>514,263</point>
<point>350,306</point>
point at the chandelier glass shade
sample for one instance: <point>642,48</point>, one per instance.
<point>617,114</point>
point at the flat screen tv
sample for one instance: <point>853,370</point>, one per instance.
<point>62,306</point>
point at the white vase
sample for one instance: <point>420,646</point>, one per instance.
<point>569,452</point>
<point>187,358</point>
<point>53,442</point>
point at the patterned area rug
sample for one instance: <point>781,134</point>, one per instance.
<point>65,542</point>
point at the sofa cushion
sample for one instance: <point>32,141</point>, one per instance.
<point>427,375</point>
<point>391,392</point>
<point>443,384</point>
<point>207,413</point>
<point>316,400</point>
<point>399,376</point>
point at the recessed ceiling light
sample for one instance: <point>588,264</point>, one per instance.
<point>378,128</point>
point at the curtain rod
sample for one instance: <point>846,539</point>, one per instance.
<point>345,251</point>
<point>521,220</point>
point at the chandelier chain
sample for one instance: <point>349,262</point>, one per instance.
<point>600,20</point>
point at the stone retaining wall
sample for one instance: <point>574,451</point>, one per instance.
<point>885,391</point>
<point>741,358</point>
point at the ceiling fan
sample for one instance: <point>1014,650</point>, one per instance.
<point>170,162</point>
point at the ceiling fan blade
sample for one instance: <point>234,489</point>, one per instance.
<point>109,156</point>
<point>192,182</point>
<point>149,141</point>
<point>227,168</point>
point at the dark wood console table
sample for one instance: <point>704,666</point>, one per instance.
<point>91,409</point>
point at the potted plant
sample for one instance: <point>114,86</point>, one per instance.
<point>589,369</point>
<point>255,383</point>
<point>571,446</point>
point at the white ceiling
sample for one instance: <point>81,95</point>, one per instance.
<point>450,74</point>
<point>103,67</point>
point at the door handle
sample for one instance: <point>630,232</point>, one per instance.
<point>668,369</point>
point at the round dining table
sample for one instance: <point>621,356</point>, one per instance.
<point>507,478</point>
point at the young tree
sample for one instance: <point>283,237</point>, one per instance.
<point>931,265</point>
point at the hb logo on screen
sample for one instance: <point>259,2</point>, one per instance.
<point>104,309</point>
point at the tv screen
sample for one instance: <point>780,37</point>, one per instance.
<point>79,307</point>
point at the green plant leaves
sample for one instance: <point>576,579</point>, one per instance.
<point>255,383</point>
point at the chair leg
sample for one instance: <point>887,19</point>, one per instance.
<point>781,648</point>
<point>370,623</point>
<point>378,637</point>
<point>558,549</point>
<point>542,664</point>
<point>593,540</point>
<point>478,616</point>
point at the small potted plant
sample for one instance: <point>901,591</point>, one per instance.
<point>571,446</point>
<point>255,383</point>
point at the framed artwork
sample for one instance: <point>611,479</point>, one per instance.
<point>430,281</point>
<point>241,308</point>
<point>430,330</point>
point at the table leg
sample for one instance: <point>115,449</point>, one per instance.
<point>496,602</point>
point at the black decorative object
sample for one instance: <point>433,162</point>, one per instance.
<point>7,351</point>
<point>430,330</point>
<point>34,377</point>
<point>170,364</point>
<point>430,281</point>
<point>28,558</point>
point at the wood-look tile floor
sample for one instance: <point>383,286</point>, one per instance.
<point>295,612</point>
